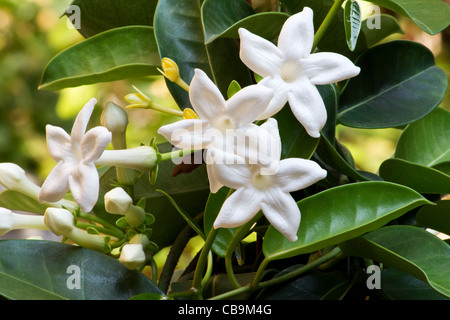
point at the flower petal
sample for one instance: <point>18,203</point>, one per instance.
<point>259,54</point>
<point>205,97</point>
<point>94,143</point>
<point>308,107</point>
<point>229,169</point>
<point>187,134</point>
<point>282,212</point>
<point>279,99</point>
<point>328,67</point>
<point>214,183</point>
<point>247,104</point>
<point>56,184</point>
<point>58,143</point>
<point>238,209</point>
<point>84,185</point>
<point>297,35</point>
<point>295,174</point>
<point>82,120</point>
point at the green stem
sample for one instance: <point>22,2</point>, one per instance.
<point>203,258</point>
<point>238,236</point>
<point>326,22</point>
<point>161,108</point>
<point>174,154</point>
<point>110,232</point>
<point>107,225</point>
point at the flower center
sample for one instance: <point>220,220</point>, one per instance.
<point>290,70</point>
<point>262,181</point>
<point>224,123</point>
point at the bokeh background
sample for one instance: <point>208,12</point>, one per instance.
<point>33,31</point>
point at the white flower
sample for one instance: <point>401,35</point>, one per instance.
<point>132,256</point>
<point>11,221</point>
<point>257,190</point>
<point>75,156</point>
<point>219,120</point>
<point>292,71</point>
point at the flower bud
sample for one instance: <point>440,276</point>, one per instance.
<point>13,177</point>
<point>11,221</point>
<point>59,221</point>
<point>117,201</point>
<point>114,118</point>
<point>171,70</point>
<point>132,256</point>
<point>188,113</point>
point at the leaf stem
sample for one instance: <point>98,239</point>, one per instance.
<point>326,22</point>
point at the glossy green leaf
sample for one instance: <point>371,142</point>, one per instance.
<point>352,23</point>
<point>116,54</point>
<point>393,88</point>
<point>39,270</point>
<point>99,16</point>
<point>14,200</point>
<point>436,217</point>
<point>420,178</point>
<point>432,16</point>
<point>342,213</point>
<point>179,33</point>
<point>224,18</point>
<point>397,285</point>
<point>212,208</point>
<point>410,249</point>
<point>427,141</point>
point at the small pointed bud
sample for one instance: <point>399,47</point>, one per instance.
<point>114,118</point>
<point>13,177</point>
<point>171,70</point>
<point>188,113</point>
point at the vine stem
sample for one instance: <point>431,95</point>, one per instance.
<point>293,274</point>
<point>238,236</point>
<point>326,22</point>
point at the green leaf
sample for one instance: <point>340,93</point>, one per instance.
<point>121,53</point>
<point>427,141</point>
<point>185,44</point>
<point>432,16</point>
<point>397,285</point>
<point>99,16</point>
<point>420,178</point>
<point>342,213</point>
<point>410,249</point>
<point>436,217</point>
<point>38,270</point>
<point>352,23</point>
<point>224,18</point>
<point>399,83</point>
<point>14,200</point>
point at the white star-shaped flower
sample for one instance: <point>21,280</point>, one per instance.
<point>292,71</point>
<point>267,192</point>
<point>75,155</point>
<point>221,123</point>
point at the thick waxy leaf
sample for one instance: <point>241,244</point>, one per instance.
<point>98,16</point>
<point>420,178</point>
<point>393,88</point>
<point>342,213</point>
<point>43,270</point>
<point>426,142</point>
<point>432,16</point>
<point>352,23</point>
<point>224,18</point>
<point>410,249</point>
<point>179,33</point>
<point>117,54</point>
<point>436,217</point>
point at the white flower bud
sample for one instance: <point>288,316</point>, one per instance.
<point>59,221</point>
<point>132,255</point>
<point>117,201</point>
<point>11,221</point>
<point>114,118</point>
<point>13,177</point>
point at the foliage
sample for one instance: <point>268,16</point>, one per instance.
<point>350,220</point>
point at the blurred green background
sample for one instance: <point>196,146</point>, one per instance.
<point>33,31</point>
